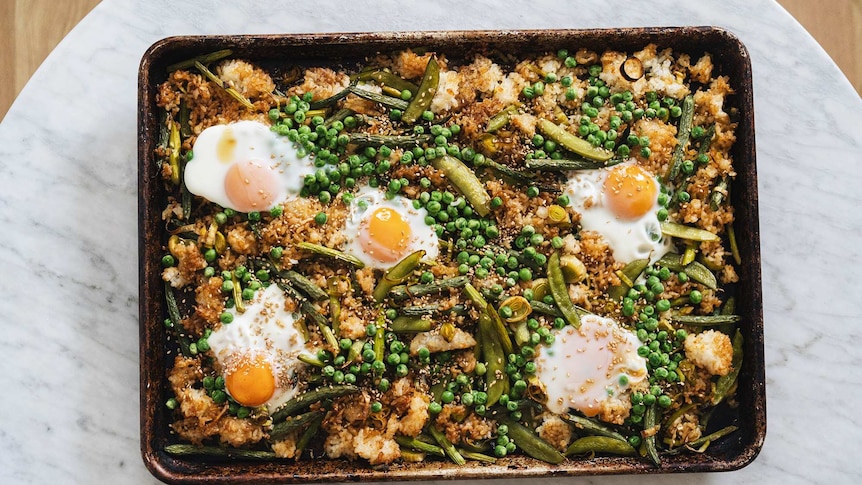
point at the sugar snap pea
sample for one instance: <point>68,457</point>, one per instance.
<point>386,78</point>
<point>424,94</point>
<point>600,444</point>
<point>501,119</point>
<point>466,182</point>
<point>592,427</point>
<point>397,274</point>
<point>687,232</point>
<point>530,443</point>
<point>695,270</point>
<point>557,284</point>
<point>410,324</point>
<point>627,275</point>
<point>573,143</point>
<point>725,383</point>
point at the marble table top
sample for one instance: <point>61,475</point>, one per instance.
<point>68,262</point>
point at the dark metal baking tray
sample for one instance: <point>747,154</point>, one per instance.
<point>730,58</point>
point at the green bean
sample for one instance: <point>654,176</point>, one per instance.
<point>466,182</point>
<point>501,119</point>
<point>228,89</point>
<point>364,139</point>
<point>705,320</point>
<point>650,423</point>
<point>203,59</point>
<point>687,232</point>
<point>397,274</point>
<point>410,324</point>
<point>388,101</point>
<point>530,443</point>
<point>447,446</point>
<point>332,253</point>
<point>401,293</point>
<point>386,78</point>
<point>303,284</point>
<point>407,442</point>
<point>592,427</point>
<point>725,383</point>
<point>682,137</point>
<point>600,444</point>
<point>176,321</point>
<point>695,270</point>
<point>713,436</point>
<point>308,434</point>
<point>559,290</point>
<point>573,143</point>
<point>425,92</point>
<point>219,452</point>
<point>322,103</point>
<point>339,115</point>
<point>310,397</point>
<point>562,165</point>
<point>282,429</point>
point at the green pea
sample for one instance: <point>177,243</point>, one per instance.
<point>695,296</point>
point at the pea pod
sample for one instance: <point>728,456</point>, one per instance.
<point>425,93</point>
<point>687,232</point>
<point>310,397</point>
<point>501,119</point>
<point>600,444</point>
<point>466,182</point>
<point>397,274</point>
<point>495,378</point>
<point>628,275</point>
<point>697,271</point>
<point>592,427</point>
<point>573,143</point>
<point>726,382</point>
<point>408,324</point>
<point>705,320</point>
<point>530,443</point>
<point>386,78</point>
<point>557,284</point>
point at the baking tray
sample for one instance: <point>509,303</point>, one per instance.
<point>730,58</point>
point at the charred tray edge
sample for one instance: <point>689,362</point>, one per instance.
<point>730,58</point>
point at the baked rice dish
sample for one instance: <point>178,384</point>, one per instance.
<point>450,256</point>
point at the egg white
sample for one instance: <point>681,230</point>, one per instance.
<point>369,199</point>
<point>629,240</point>
<point>219,147</point>
<point>582,367</point>
<point>264,329</point>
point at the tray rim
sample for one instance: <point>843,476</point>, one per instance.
<point>164,467</point>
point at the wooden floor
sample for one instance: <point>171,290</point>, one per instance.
<point>30,29</point>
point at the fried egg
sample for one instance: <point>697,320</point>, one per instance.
<point>381,232</point>
<point>585,367</point>
<point>245,166</point>
<point>258,351</point>
<point>620,203</point>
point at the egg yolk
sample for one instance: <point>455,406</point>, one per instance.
<point>251,186</point>
<point>386,235</point>
<point>251,383</point>
<point>630,192</point>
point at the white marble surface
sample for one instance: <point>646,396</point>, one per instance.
<point>68,262</point>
